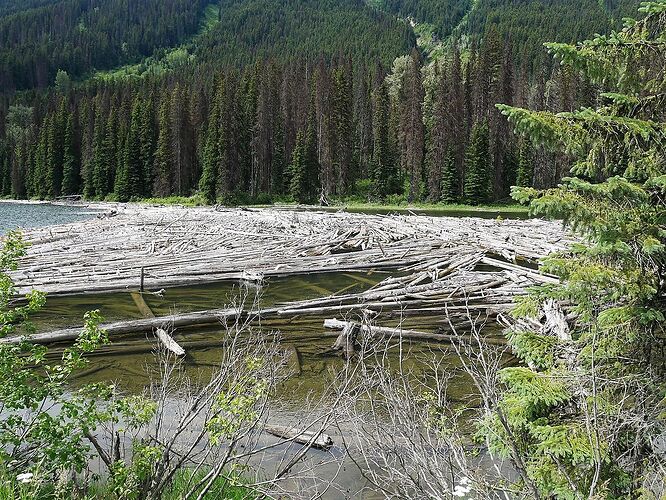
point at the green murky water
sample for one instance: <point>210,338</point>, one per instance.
<point>126,359</point>
<point>129,362</point>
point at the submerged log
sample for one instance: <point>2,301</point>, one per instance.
<point>169,343</point>
<point>309,438</point>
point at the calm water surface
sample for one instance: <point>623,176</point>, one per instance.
<point>30,215</point>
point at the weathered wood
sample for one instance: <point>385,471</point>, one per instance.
<point>346,341</point>
<point>401,333</point>
<point>555,322</point>
<point>440,259</point>
<point>169,343</point>
<point>252,277</point>
<point>145,311</point>
<point>309,438</point>
<point>199,318</point>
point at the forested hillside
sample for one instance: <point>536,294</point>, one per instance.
<point>251,30</point>
<point>79,35</point>
<point>445,15</point>
<point>529,23</point>
<point>303,99</point>
<point>11,6</point>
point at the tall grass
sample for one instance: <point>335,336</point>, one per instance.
<point>222,489</point>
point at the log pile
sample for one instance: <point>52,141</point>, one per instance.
<point>447,289</point>
<point>453,285</point>
<point>186,246</point>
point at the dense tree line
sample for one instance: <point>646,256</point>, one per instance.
<point>12,6</point>
<point>40,37</point>
<point>79,36</point>
<point>305,129</point>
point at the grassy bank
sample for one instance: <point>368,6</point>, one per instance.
<point>358,206</point>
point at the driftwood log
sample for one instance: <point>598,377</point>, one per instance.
<point>318,440</point>
<point>450,289</point>
<point>400,333</point>
<point>167,341</point>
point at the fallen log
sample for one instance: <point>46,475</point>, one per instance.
<point>199,318</point>
<point>346,341</point>
<point>169,343</point>
<point>382,331</point>
<point>309,438</point>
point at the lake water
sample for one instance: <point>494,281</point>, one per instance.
<point>29,215</point>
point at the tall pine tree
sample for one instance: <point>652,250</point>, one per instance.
<point>478,166</point>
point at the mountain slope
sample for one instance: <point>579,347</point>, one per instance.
<point>288,29</point>
<point>79,35</point>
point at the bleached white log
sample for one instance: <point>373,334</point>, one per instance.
<point>314,439</point>
<point>169,343</point>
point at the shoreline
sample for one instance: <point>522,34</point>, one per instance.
<point>455,210</point>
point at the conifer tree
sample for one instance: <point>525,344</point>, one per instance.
<point>98,181</point>
<point>163,171</point>
<point>342,128</point>
<point>298,169</point>
<point>214,177</point>
<point>525,172</point>
<point>129,182</point>
<point>450,188</point>
<point>87,120</point>
<point>411,125</point>
<point>52,165</point>
<point>147,147</point>
<point>304,168</point>
<point>381,166</point>
<point>70,167</point>
<point>40,176</point>
<point>5,171</point>
<point>209,175</point>
<point>211,160</point>
<point>477,166</point>
<point>583,415</point>
<point>437,135</point>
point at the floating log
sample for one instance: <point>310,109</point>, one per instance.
<point>315,439</point>
<point>383,331</point>
<point>199,318</point>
